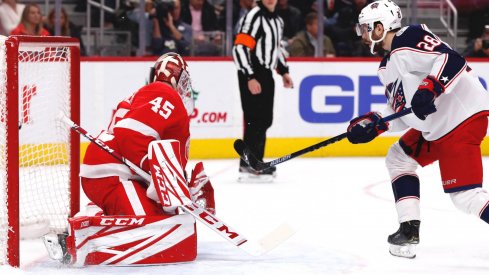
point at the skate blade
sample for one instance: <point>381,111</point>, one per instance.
<point>52,246</point>
<point>404,251</point>
<point>250,178</point>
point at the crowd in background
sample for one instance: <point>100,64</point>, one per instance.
<point>198,27</point>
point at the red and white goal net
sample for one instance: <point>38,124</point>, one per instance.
<point>39,156</point>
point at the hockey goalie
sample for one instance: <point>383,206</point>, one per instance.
<point>131,221</point>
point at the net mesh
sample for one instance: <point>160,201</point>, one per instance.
<point>44,142</point>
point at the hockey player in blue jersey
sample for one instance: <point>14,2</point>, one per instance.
<point>448,123</point>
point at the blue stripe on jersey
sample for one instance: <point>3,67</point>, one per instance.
<point>405,186</point>
<point>454,64</point>
<point>485,214</point>
<point>383,63</point>
<point>415,36</point>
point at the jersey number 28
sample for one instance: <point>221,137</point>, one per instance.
<point>429,43</point>
<point>165,110</point>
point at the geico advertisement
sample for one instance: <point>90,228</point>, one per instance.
<point>325,97</point>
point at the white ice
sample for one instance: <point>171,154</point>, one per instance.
<point>342,210</point>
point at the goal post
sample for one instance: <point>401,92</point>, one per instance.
<point>39,156</point>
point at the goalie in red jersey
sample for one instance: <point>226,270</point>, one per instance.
<point>132,221</point>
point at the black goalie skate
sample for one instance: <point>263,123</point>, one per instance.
<point>403,242</point>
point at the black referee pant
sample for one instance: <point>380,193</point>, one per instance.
<point>257,110</point>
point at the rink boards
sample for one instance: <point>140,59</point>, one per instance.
<point>327,94</point>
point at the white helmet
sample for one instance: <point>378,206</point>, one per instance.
<point>384,11</point>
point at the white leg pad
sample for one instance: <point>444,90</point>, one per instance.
<point>471,201</point>
<point>398,163</point>
<point>131,240</point>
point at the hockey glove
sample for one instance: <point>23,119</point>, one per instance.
<point>423,102</point>
<point>365,128</point>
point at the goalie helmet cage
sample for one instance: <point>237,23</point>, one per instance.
<point>39,156</point>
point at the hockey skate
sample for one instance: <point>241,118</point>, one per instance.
<point>403,242</point>
<point>248,174</point>
<point>56,246</point>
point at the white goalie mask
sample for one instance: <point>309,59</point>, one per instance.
<point>172,69</point>
<point>384,11</point>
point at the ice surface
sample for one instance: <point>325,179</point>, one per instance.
<point>342,209</point>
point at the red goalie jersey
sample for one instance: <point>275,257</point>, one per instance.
<point>155,112</point>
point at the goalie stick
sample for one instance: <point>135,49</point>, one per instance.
<point>267,243</point>
<point>245,153</point>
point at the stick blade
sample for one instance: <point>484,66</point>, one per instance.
<point>269,241</point>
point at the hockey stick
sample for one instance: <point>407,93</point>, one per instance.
<point>245,153</point>
<point>266,244</point>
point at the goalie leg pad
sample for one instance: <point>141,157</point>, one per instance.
<point>168,183</point>
<point>131,240</point>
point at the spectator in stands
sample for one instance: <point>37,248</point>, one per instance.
<point>68,28</point>
<point>10,14</point>
<point>30,22</point>
<point>343,34</point>
<point>292,18</point>
<point>170,33</point>
<point>240,8</point>
<point>219,9</point>
<point>305,6</point>
<point>306,42</point>
<point>202,17</point>
<point>475,13</point>
<point>480,46</point>
<point>132,13</point>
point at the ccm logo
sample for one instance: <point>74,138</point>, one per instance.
<point>162,187</point>
<point>213,222</point>
<point>449,182</point>
<point>121,221</point>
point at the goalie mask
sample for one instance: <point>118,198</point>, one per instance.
<point>385,12</point>
<point>172,69</point>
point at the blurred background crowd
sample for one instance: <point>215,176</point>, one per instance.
<point>320,28</point>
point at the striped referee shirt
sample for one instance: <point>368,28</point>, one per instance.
<point>258,42</point>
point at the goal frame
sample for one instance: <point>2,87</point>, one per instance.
<point>12,45</point>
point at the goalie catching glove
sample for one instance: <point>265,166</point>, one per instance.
<point>365,128</point>
<point>201,190</point>
<point>423,102</point>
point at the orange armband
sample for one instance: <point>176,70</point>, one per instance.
<point>245,40</point>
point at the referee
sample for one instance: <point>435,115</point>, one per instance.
<point>257,51</point>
